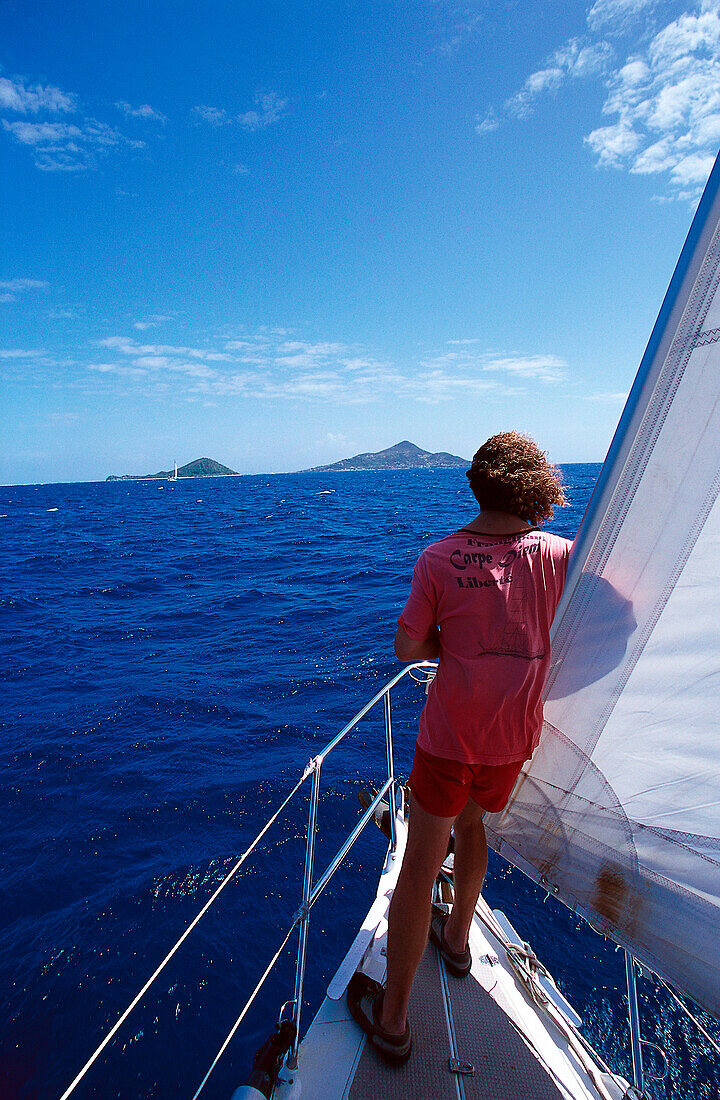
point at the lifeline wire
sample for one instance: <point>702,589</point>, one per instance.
<point>687,1012</point>
<point>248,1003</point>
<point>186,933</point>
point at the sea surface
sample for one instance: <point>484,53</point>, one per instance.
<point>173,653</point>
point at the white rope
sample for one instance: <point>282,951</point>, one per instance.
<point>687,1012</point>
<point>522,961</point>
<point>186,933</point>
<point>244,1012</point>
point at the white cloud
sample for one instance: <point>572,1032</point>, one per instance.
<point>707,131</point>
<point>544,80</point>
<point>153,362</point>
<point>661,78</point>
<point>10,288</point>
<point>144,111</point>
<point>547,369</point>
<point>177,365</point>
<point>656,158</point>
<point>22,284</point>
<point>462,27</point>
<point>152,322</point>
<point>63,314</point>
<point>320,349</point>
<point>487,123</point>
<point>269,107</point>
<point>20,353</point>
<point>271,365</point>
<point>692,170</point>
<point>128,346</point>
<point>119,369</point>
<point>613,144</point>
<point>215,116</point>
<point>56,145</point>
<point>17,96</point>
<point>607,398</point>
<point>618,15</point>
<point>633,74</point>
<point>667,101</point>
<point>42,133</point>
<point>686,35</point>
<point>521,104</point>
<point>435,386</point>
<point>577,59</point>
<point>66,147</point>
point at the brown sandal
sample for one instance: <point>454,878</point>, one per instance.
<point>459,962</point>
<point>364,999</point>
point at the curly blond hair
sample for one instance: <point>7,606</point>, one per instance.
<point>511,474</point>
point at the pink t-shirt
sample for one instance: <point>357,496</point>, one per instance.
<point>493,598</point>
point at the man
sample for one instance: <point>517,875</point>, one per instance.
<point>482,601</point>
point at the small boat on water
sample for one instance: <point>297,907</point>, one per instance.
<point>618,813</point>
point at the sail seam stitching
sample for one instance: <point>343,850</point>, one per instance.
<point>709,337</point>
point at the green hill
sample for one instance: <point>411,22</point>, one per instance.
<point>403,456</point>
<point>200,467</point>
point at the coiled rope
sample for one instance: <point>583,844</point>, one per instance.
<point>138,997</point>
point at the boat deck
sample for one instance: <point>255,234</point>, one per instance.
<point>456,1018</point>
<point>511,1045</point>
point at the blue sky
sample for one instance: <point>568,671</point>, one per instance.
<point>277,234</point>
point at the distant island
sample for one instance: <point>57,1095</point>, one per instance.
<point>403,456</point>
<point>201,467</point>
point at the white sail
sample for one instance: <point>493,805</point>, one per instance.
<point>619,811</point>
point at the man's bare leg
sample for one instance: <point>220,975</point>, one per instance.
<point>471,859</point>
<point>409,916</point>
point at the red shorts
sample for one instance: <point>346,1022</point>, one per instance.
<point>442,787</point>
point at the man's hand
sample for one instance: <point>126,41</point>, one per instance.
<point>408,649</point>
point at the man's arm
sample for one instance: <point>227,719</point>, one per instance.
<point>407,649</point>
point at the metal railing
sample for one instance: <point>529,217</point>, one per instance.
<point>310,893</point>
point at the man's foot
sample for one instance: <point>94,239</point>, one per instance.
<point>459,962</point>
<point>364,999</point>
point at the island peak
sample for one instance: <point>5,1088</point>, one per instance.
<point>401,456</point>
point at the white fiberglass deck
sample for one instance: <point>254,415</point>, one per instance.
<point>487,1019</point>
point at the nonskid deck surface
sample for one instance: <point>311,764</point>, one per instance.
<point>505,1068</point>
<point>518,1039</point>
<point>486,1019</point>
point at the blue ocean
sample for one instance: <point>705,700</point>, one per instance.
<point>173,655</point>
